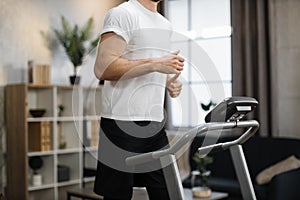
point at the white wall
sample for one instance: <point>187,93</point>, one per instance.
<point>20,40</point>
<point>285,55</point>
<point>20,24</point>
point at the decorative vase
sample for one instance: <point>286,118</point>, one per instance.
<point>36,179</point>
<point>75,80</point>
<point>201,192</point>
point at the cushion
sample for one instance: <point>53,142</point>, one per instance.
<point>267,174</point>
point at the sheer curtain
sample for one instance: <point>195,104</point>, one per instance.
<point>251,71</point>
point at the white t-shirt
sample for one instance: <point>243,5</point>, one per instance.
<point>147,35</point>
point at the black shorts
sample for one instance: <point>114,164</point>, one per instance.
<point>116,183</point>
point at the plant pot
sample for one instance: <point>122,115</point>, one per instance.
<point>201,192</point>
<point>101,82</point>
<point>75,80</point>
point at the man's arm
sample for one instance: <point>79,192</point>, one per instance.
<point>111,66</point>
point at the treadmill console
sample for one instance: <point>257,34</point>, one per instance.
<point>231,109</point>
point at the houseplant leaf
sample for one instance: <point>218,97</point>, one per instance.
<point>75,40</point>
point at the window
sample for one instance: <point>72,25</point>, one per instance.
<point>202,33</point>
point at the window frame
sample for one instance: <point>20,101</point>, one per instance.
<point>170,124</point>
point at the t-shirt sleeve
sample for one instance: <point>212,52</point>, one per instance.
<point>118,20</point>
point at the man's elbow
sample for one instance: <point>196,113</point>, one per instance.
<point>104,74</point>
<point>98,73</point>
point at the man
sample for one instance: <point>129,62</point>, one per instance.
<point>135,61</point>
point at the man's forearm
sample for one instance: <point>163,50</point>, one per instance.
<point>122,68</point>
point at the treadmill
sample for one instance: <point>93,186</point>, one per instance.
<point>227,115</point>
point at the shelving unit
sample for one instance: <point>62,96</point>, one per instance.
<point>69,130</point>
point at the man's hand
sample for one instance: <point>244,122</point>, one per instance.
<point>174,86</point>
<point>171,64</point>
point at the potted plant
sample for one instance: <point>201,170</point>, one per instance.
<point>36,163</point>
<point>60,110</point>
<point>206,107</point>
<point>203,173</point>
<point>76,42</point>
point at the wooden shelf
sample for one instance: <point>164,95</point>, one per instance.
<point>70,118</point>
<point>42,187</point>
<point>67,183</point>
<point>40,119</point>
<point>22,97</point>
<point>69,151</point>
<point>35,86</point>
<point>40,153</point>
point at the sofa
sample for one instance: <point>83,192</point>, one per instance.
<point>260,154</point>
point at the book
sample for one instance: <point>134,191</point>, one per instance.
<point>40,74</point>
<point>39,136</point>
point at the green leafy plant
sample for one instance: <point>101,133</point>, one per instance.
<point>206,107</point>
<point>76,40</point>
<point>61,109</point>
<point>202,163</point>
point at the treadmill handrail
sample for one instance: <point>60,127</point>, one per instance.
<point>252,126</point>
